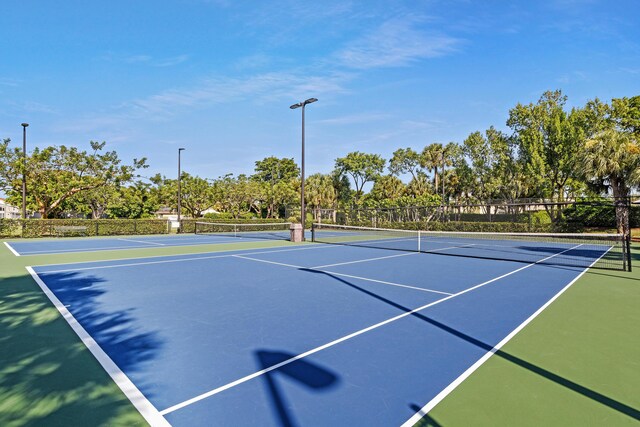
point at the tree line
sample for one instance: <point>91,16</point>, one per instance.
<point>549,152</point>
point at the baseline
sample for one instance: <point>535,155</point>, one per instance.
<point>11,249</point>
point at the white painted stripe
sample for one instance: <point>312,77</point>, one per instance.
<point>118,248</point>
<point>345,338</point>
<point>226,254</point>
<point>392,256</point>
<point>267,262</point>
<point>11,249</point>
<point>142,241</point>
<point>363,260</point>
<point>386,283</point>
<point>447,390</point>
<point>146,408</point>
<point>343,275</point>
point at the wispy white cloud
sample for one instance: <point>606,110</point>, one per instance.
<point>397,42</point>
<point>355,119</point>
<point>33,107</point>
<point>574,76</point>
<point>258,88</point>
<point>167,62</point>
<point>145,59</point>
<point>6,81</point>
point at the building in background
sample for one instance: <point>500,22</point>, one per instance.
<point>8,211</point>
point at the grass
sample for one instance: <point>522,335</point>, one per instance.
<point>578,363</point>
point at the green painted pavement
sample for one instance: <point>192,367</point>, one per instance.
<point>576,364</point>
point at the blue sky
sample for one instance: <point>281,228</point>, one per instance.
<point>217,76</point>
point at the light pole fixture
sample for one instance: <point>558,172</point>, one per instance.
<point>302,212</point>
<point>24,170</point>
<point>180,150</point>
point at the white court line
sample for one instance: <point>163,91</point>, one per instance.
<point>363,260</point>
<point>447,390</point>
<point>142,241</point>
<point>11,249</point>
<point>146,408</point>
<point>386,283</point>
<point>345,338</point>
<point>117,248</point>
<point>223,254</point>
<point>299,267</point>
<point>267,262</point>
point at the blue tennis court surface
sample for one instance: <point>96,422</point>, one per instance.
<point>307,335</point>
<point>89,244</point>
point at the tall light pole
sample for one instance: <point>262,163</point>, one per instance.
<point>302,212</point>
<point>24,170</point>
<point>180,150</point>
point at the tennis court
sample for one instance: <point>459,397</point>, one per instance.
<point>323,334</point>
<point>205,235</point>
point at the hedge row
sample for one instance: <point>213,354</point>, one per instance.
<point>493,227</point>
<point>189,225</point>
<point>593,215</point>
<point>94,227</point>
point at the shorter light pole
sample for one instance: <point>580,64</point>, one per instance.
<point>180,150</point>
<point>24,170</point>
<point>302,212</point>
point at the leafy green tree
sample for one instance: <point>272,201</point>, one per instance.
<point>478,150</point>
<point>278,178</point>
<point>237,195</point>
<point>197,195</point>
<point>94,201</point>
<point>549,141</point>
<point>320,192</point>
<point>138,200</point>
<point>612,157</point>
<point>626,114</point>
<point>342,187</point>
<point>55,174</point>
<point>404,160</point>
<point>419,185</point>
<point>361,167</point>
<point>388,187</point>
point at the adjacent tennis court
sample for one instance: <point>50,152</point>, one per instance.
<point>206,234</point>
<point>352,333</point>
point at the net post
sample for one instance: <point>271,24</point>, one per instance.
<point>419,240</point>
<point>627,244</point>
<point>313,231</point>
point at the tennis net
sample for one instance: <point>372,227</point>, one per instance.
<point>569,249</point>
<point>274,231</point>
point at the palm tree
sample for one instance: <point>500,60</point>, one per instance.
<point>388,187</point>
<point>320,192</point>
<point>612,157</point>
<point>431,159</point>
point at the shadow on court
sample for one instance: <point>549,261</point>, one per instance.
<point>302,372</point>
<point>47,376</point>
<point>582,258</point>
<point>584,391</point>
<point>426,420</point>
